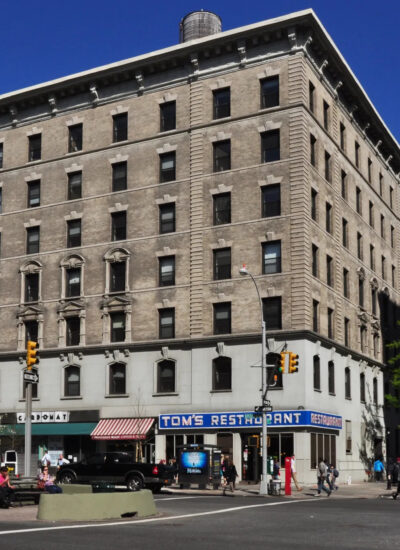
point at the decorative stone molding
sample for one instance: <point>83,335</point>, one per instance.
<point>139,81</point>
<point>167,251</point>
<point>220,83</point>
<point>34,131</point>
<point>14,113</point>
<point>271,179</point>
<point>166,148</point>
<point>32,223</point>
<point>222,188</point>
<point>94,96</point>
<point>222,243</point>
<point>220,348</point>
<point>33,176</point>
<point>339,84</point>
<point>194,60</point>
<point>118,208</point>
<point>52,104</point>
<point>74,168</point>
<point>374,282</point>
<point>119,110</point>
<point>292,37</point>
<point>361,273</point>
<point>221,136</point>
<point>166,199</point>
<point>317,347</point>
<point>74,120</point>
<point>323,66</point>
<point>269,125</point>
<point>73,216</point>
<point>332,353</point>
<point>165,352</point>
<point>118,158</point>
<point>126,352</point>
<point>166,98</point>
<point>241,49</point>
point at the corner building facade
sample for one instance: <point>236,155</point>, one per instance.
<point>132,194</point>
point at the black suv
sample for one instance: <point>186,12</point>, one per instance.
<point>118,468</point>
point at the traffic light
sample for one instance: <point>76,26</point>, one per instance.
<point>293,362</point>
<point>281,365</point>
<point>31,352</point>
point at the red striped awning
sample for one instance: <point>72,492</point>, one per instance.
<point>122,428</point>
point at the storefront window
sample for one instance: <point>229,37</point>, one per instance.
<point>322,446</point>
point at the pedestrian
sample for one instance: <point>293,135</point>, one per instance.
<point>6,489</point>
<point>389,470</point>
<point>276,469</point>
<point>396,477</point>
<point>231,475</point>
<point>322,471</point>
<point>174,469</point>
<point>224,468</point>
<point>46,482</point>
<point>46,459</point>
<point>334,474</point>
<point>378,469</point>
<point>61,461</point>
<point>293,472</point>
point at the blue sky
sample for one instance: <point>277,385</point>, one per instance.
<point>46,39</point>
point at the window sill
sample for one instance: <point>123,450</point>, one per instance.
<point>116,395</point>
<point>66,397</point>
<point>348,398</point>
<point>166,394</point>
<point>221,391</point>
<point>318,390</point>
<point>33,399</point>
<point>332,394</point>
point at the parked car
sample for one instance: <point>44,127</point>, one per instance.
<point>118,468</point>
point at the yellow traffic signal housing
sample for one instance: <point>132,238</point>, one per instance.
<point>293,362</point>
<point>282,362</point>
<point>31,352</point>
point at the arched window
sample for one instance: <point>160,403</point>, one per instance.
<point>117,380</point>
<point>375,390</point>
<point>31,275</point>
<point>222,374</point>
<point>347,383</point>
<point>166,376</point>
<point>72,381</point>
<point>362,387</point>
<point>117,270</point>
<point>72,274</point>
<point>331,377</point>
<point>317,372</point>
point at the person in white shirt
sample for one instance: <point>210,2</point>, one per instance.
<point>46,459</point>
<point>293,472</point>
<point>61,461</point>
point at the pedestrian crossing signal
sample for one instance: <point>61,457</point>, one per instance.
<point>293,362</point>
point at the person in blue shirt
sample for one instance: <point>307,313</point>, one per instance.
<point>378,469</point>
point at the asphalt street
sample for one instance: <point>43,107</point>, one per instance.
<point>199,522</point>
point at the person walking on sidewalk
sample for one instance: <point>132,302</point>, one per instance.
<point>378,469</point>
<point>230,475</point>
<point>293,472</point>
<point>322,472</point>
<point>334,474</point>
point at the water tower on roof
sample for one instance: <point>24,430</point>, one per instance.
<point>198,24</point>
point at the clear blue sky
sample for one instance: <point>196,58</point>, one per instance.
<point>47,39</point>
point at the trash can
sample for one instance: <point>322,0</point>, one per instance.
<point>102,487</point>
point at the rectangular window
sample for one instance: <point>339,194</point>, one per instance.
<point>35,147</point>
<point>361,292</point>
<point>221,208</point>
<point>348,437</point>
<point>118,226</point>
<point>269,88</point>
<point>373,300</point>
<point>222,155</point>
<point>311,96</point>
<point>392,236</point>
<point>120,127</point>
<point>167,167</point>
<point>167,322</point>
<point>343,178</point>
<point>371,214</point>
<point>272,311</point>
<point>117,276</point>
<point>166,270</point>
<point>75,135</point>
<point>1,155</point>
<point>221,103</point>
<point>369,170</point>
<point>393,276</point>
<point>346,286</point>
<point>315,315</point>
<point>346,332</point>
<point>74,186</point>
<point>345,233</point>
<point>329,271</point>
<point>358,201</point>
<point>391,193</point>
<point>117,322</point>
<point>167,218</point>
<point>313,150</point>
<point>74,233</point>
<point>328,217</point>
<point>357,154</point>
<point>222,264</point>
<point>270,146</point>
<point>271,200</point>
<point>31,287</point>
<point>73,282</point>
<point>328,175</point>
<point>326,115</point>
<point>32,240</point>
<point>314,259</point>
<point>222,318</point>
<point>119,176</point>
<point>271,257</point>
<point>380,184</point>
<point>31,331</point>
<point>382,226</point>
<point>33,193</point>
<point>331,378</point>
<point>383,262</point>
<point>1,200</point>
<point>372,257</point>
<point>359,246</point>
<point>342,136</point>
<point>314,211</point>
<point>167,116</point>
<point>316,373</point>
<point>73,329</point>
<point>330,322</point>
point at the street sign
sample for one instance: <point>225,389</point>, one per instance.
<point>31,376</point>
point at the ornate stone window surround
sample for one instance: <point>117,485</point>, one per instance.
<point>116,255</point>
<point>26,269</point>
<point>71,262</point>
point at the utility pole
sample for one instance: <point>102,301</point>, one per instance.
<point>28,429</point>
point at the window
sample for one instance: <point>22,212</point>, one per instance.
<point>375,390</point>
<point>327,166</point>
<point>75,134</point>
<point>371,214</point>
<point>166,271</point>
<point>317,373</point>
<point>73,329</point>
<point>311,96</point>
<point>269,88</point>
<point>342,136</point>
<point>391,193</point>
<point>222,318</point>
<point>362,387</point>
<point>346,286</point>
<point>361,292</point>
<point>313,150</point>
<point>314,259</point>
<point>272,311</point>
<point>330,323</point>
<point>343,178</point>
<point>222,103</point>
<point>117,382</point>
<point>270,146</point>
<point>363,338</point>
<point>222,264</point>
<point>35,147</point>
<point>369,170</point>
<point>393,276</point>
<point>1,155</point>
<point>374,297</point>
<point>376,344</point>
<point>167,116</point>
<point>346,332</point>
<point>222,155</point>
<point>166,377</point>
<point>314,212</point>
<point>119,176</point>
<point>383,263</point>
<point>372,257</point>
<point>33,193</point>
<point>357,154</point>
<point>167,167</point>
<point>326,115</point>
<point>359,246</point>
<point>118,226</point>
<point>31,331</point>
<point>345,233</point>
<point>167,218</point>
<point>75,186</point>
<point>348,437</point>
<point>328,217</point>
<point>73,282</point>
<point>392,236</point>
<point>32,240</point>
<point>73,233</point>
<point>358,201</point>
<point>166,323</point>
<point>31,287</point>
<point>322,445</point>
<point>72,381</point>
<point>222,374</point>
<point>120,127</point>
<point>117,320</point>
<point>382,226</point>
<point>271,200</point>
<point>347,383</point>
<point>329,271</point>
<point>271,252</point>
<point>117,276</point>
<point>1,200</point>
<point>331,378</point>
<point>315,317</point>
<point>380,184</point>
<point>222,208</point>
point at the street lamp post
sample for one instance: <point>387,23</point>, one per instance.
<point>263,485</point>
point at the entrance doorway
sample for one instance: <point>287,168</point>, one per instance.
<point>279,446</point>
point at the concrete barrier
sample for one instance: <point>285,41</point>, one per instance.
<point>95,506</point>
<point>75,488</point>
